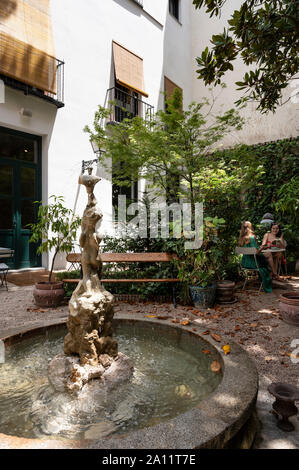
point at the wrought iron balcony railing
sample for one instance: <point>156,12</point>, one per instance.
<point>125,105</point>
<point>56,98</point>
<point>59,95</point>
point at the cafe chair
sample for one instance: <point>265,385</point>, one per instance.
<point>249,273</point>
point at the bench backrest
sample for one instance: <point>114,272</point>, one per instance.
<point>127,257</point>
<point>241,250</point>
<point>6,253</point>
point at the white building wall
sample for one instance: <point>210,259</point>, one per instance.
<point>83,35</point>
<point>258,127</point>
<point>177,60</point>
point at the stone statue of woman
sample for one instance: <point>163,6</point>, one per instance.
<point>91,306</point>
<point>89,238</point>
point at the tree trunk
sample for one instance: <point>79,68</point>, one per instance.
<point>52,266</point>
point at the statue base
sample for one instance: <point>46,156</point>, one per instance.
<point>66,374</point>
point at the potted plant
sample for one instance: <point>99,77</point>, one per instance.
<point>199,269</point>
<point>55,229</point>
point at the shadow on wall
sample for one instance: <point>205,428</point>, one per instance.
<point>27,64</point>
<point>7,8</point>
<point>134,9</point>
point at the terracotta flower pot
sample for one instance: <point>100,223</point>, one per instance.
<point>48,294</point>
<point>289,307</point>
<point>225,292</point>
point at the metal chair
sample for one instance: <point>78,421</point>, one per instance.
<point>240,250</point>
<point>280,262</point>
<point>72,258</point>
<point>5,253</point>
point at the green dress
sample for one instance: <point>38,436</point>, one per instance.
<point>249,262</point>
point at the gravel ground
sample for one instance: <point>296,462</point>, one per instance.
<point>253,322</point>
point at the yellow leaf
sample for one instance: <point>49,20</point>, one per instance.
<point>226,349</point>
<point>151,316</point>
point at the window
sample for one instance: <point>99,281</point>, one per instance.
<point>126,103</point>
<point>129,85</point>
<point>169,88</point>
<point>130,189</point>
<point>128,69</point>
<point>174,8</point>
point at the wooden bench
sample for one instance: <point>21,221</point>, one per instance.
<point>131,258</point>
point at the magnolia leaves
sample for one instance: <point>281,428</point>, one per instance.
<point>272,53</point>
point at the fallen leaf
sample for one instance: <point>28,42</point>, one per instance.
<point>175,320</point>
<point>237,328</point>
<point>253,325</point>
<point>226,349</point>
<point>151,316</point>
<point>215,366</point>
<point>163,317</point>
<point>268,358</point>
<point>207,332</point>
<point>184,322</point>
<point>216,337</point>
<point>206,351</point>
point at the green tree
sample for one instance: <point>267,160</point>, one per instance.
<point>172,147</point>
<point>56,228</point>
<point>264,33</point>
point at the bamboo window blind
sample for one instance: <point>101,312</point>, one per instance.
<point>26,43</point>
<point>169,87</point>
<point>128,68</point>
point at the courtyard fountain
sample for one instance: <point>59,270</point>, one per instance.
<point>160,391</point>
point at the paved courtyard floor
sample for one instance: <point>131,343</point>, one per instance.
<point>253,322</point>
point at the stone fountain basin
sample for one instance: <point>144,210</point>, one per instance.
<point>223,419</point>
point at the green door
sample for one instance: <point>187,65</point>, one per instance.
<point>20,186</point>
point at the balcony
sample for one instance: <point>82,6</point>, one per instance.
<point>125,105</point>
<point>28,69</point>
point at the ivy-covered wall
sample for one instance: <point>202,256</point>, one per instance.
<point>270,183</point>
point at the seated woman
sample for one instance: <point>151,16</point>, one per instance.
<point>271,239</point>
<point>247,239</point>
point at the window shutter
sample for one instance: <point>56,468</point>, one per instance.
<point>26,43</point>
<point>128,69</point>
